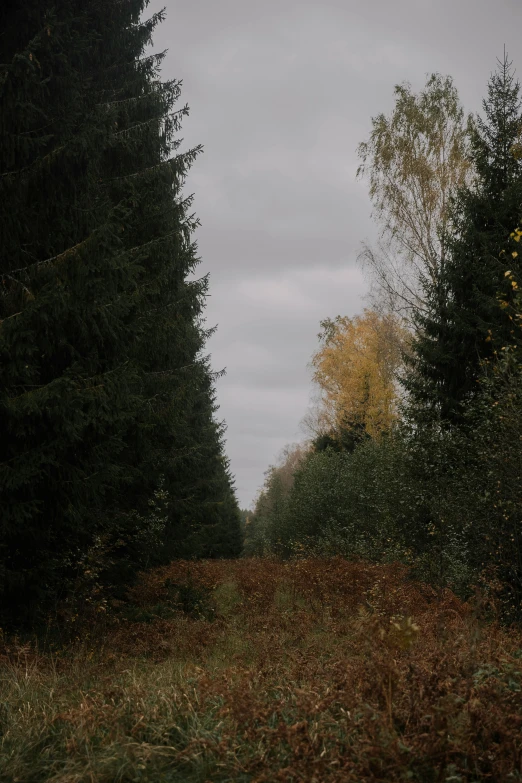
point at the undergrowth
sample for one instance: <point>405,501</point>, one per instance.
<point>257,670</point>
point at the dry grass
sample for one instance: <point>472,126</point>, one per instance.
<point>255,670</point>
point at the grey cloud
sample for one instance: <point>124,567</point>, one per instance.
<point>235,251</point>
<point>266,389</point>
<point>281,93</point>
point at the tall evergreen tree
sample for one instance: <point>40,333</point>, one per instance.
<point>465,323</point>
<point>101,369</point>
<point>205,519</point>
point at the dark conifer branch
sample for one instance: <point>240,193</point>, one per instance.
<point>102,387</point>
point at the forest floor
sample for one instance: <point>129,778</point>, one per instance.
<point>256,670</point>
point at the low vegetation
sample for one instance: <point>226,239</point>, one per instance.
<point>261,670</point>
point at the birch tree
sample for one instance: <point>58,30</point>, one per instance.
<point>356,368</point>
<point>414,160</point>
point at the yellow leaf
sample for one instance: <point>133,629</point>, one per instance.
<point>356,369</point>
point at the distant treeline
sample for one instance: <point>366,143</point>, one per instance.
<point>111,456</point>
<point>415,447</point>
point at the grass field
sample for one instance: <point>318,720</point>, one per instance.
<point>255,670</point>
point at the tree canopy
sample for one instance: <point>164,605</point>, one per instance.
<point>357,368</point>
<point>106,396</point>
<point>414,160</point>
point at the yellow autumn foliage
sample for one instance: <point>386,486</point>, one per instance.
<point>356,368</point>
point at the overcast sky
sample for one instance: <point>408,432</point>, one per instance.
<point>280,93</point>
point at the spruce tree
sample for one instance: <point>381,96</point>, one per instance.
<point>101,365</point>
<point>204,519</point>
<point>465,324</point>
